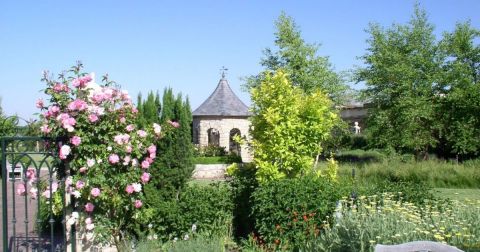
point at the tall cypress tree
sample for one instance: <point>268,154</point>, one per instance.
<point>173,166</point>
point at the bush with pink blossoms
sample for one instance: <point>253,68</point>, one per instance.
<point>108,155</point>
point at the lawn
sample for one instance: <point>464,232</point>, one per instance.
<point>458,194</point>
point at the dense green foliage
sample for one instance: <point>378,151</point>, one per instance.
<point>288,127</point>
<point>174,166</point>
<point>207,207</point>
<point>300,61</point>
<point>289,212</point>
<point>424,92</point>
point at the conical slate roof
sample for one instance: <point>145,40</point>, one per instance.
<point>222,102</point>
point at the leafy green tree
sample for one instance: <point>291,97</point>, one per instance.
<point>299,59</point>
<point>289,127</point>
<point>401,73</point>
<point>8,124</point>
<point>460,90</point>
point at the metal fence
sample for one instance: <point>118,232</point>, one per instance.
<point>33,210</point>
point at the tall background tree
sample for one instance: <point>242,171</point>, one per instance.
<point>460,92</point>
<point>425,92</point>
<point>401,73</point>
<point>300,60</point>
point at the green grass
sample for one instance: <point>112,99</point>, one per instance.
<point>209,160</point>
<point>435,173</point>
<point>458,194</point>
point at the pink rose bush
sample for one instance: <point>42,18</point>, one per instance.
<point>108,154</point>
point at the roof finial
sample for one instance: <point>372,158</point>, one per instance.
<point>223,69</point>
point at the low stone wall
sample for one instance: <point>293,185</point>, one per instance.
<point>209,171</point>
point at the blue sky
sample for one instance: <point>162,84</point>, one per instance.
<point>149,45</point>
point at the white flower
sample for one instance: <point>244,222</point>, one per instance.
<point>76,194</point>
<point>194,227</point>
<point>109,148</point>
<point>137,187</point>
<point>90,226</point>
<point>155,236</point>
<point>71,221</point>
<point>186,237</point>
<point>90,162</point>
<point>99,161</point>
<point>150,225</point>
<point>175,239</point>
<point>75,215</point>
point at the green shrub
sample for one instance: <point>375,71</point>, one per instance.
<point>360,156</point>
<point>207,207</point>
<point>243,183</point>
<point>209,151</point>
<point>289,212</point>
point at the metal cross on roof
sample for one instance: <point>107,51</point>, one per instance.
<point>223,69</point>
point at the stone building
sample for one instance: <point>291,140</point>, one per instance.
<point>222,116</point>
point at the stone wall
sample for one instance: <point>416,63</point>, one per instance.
<point>201,124</point>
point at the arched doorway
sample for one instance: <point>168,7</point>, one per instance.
<point>234,146</point>
<point>213,137</point>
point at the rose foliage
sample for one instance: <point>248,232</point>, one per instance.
<point>108,155</point>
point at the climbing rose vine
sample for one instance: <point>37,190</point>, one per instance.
<point>107,155</point>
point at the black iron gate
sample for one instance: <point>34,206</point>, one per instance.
<point>33,196</point>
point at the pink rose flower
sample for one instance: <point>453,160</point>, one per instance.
<point>21,189</point>
<point>123,120</point>
<point>113,158</point>
<point>174,124</point>
<point>95,192</point>
<point>153,155</point>
<point>80,184</point>
<point>54,109</point>
<point>145,164</point>
<point>129,189</point>
<point>152,148</point>
<point>76,140</point>
<point>81,82</point>
<point>89,207</point>
<point>45,129</point>
<point>31,174</point>
<point>138,203</point>
<point>145,177</point>
<point>64,151</point>
<point>39,104</point>
<point>92,118</point>
<point>141,133</point>
<point>77,104</point>
<point>88,221</point>
<point>128,149</point>
<point>130,127</point>
<point>83,169</point>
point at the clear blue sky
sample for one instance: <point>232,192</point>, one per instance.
<point>148,45</point>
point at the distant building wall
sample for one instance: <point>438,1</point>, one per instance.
<point>224,125</point>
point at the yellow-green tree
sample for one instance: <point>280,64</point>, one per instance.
<point>289,126</point>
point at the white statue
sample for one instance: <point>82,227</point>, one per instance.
<point>357,128</point>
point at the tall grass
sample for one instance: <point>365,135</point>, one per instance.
<point>434,173</point>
